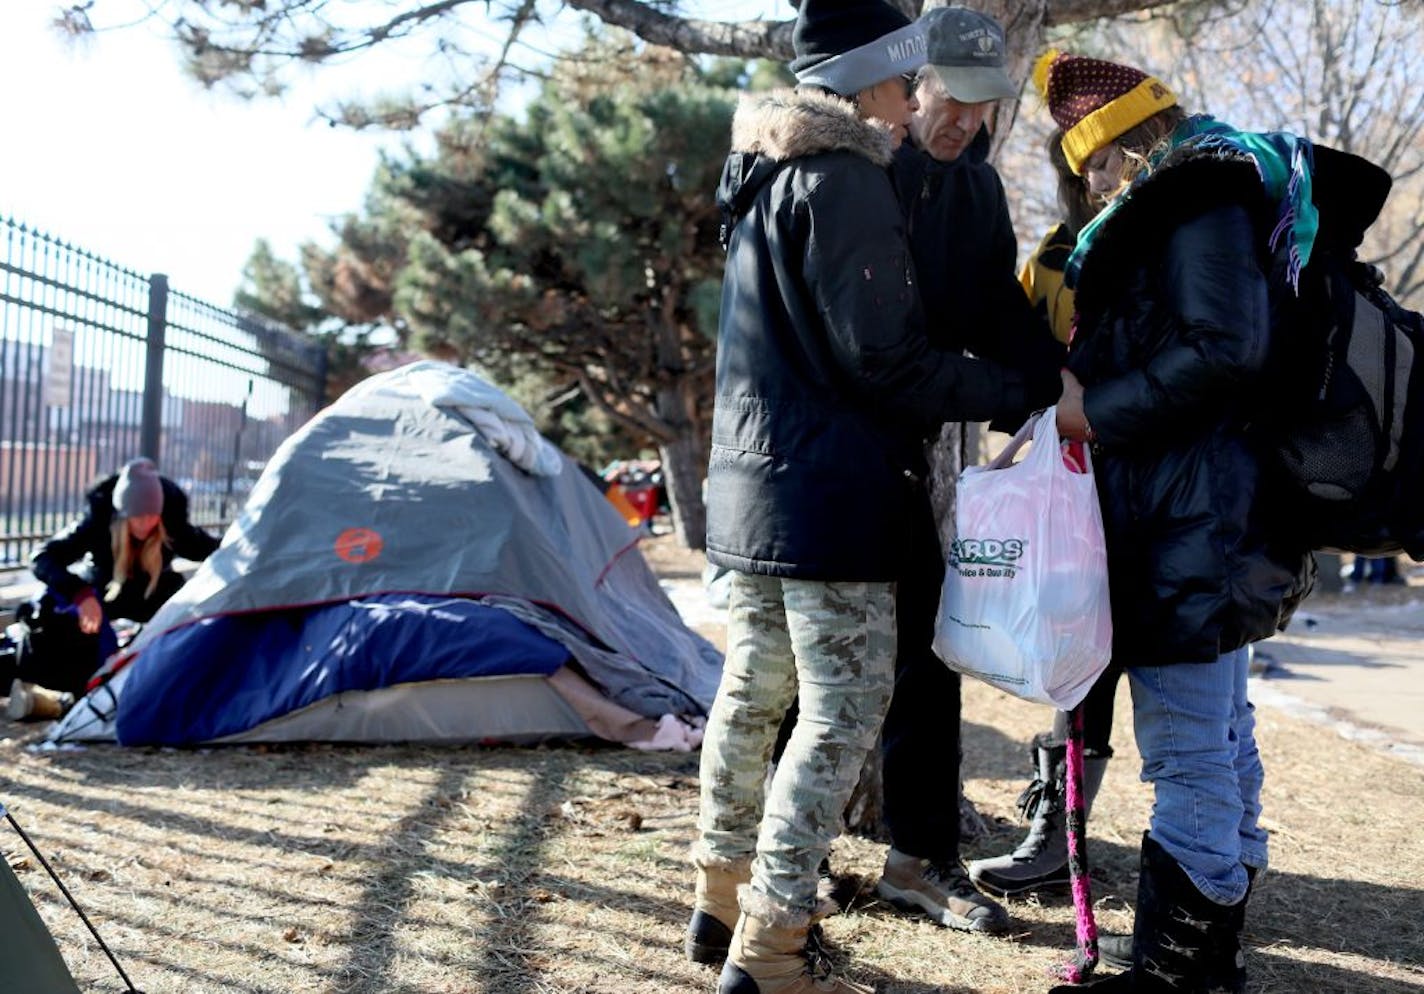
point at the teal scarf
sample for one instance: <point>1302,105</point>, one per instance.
<point>1284,163</point>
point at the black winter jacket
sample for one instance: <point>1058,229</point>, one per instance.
<point>826,382</point>
<point>965,253</point>
<point>87,544</point>
<point>1173,335</point>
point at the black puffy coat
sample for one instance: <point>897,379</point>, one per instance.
<point>963,244</point>
<point>826,382</point>
<point>86,544</point>
<point>1173,336</point>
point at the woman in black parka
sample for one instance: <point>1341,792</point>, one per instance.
<point>1170,345</point>
<point>114,561</point>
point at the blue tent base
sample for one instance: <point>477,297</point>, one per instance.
<point>261,666</point>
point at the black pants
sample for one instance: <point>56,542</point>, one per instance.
<point>54,653</point>
<point>921,748</point>
<point>59,656</point>
<point>1097,715</point>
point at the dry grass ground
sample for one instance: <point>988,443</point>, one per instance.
<point>508,871</point>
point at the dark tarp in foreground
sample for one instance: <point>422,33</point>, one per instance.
<point>29,958</point>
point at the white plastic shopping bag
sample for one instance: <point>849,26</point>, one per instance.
<point>1025,599</point>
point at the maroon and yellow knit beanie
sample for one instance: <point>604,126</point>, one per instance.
<point>1095,101</point>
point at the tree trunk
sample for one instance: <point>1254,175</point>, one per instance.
<point>684,455</point>
<point>684,465</point>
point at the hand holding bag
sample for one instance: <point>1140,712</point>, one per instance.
<point>1025,599</point>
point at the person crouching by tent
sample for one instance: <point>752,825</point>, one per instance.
<point>121,550</point>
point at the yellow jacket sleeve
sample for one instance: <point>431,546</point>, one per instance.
<point>1042,280</point>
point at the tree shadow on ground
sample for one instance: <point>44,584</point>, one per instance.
<point>282,765</point>
<point>1279,655</point>
<point>992,755</point>
<point>1271,973</point>
<point>1313,914</point>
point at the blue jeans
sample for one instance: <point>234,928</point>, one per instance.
<point>1196,733</point>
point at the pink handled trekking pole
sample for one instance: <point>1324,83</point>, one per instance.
<point>1085,957</point>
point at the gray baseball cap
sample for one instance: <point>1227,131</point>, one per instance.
<point>966,49</point>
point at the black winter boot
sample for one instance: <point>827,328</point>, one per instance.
<point>1177,936</point>
<point>1115,949</point>
<point>1228,962</point>
<point>1041,860</point>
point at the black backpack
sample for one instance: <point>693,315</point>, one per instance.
<point>1346,429</point>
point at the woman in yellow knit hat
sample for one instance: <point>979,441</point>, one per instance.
<point>1170,342</point>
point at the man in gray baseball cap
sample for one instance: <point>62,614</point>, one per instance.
<point>963,80</point>
<point>966,51</point>
<point>964,250</point>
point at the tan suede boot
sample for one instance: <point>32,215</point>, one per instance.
<point>767,958</point>
<point>715,911</point>
<point>31,702</point>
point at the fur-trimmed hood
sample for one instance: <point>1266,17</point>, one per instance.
<point>791,124</point>
<point>772,128</point>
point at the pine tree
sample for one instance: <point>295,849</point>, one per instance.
<point>579,239</point>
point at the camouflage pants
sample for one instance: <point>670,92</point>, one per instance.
<point>833,646</point>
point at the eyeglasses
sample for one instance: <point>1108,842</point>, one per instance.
<point>911,81</point>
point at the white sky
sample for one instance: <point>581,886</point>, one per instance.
<point>111,148</point>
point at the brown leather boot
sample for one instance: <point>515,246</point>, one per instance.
<point>715,911</point>
<point>767,958</point>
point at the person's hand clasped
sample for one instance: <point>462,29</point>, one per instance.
<point>91,615</point>
<point>1072,421</point>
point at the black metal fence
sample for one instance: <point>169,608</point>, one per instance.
<point>99,364</point>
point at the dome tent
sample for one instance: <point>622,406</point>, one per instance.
<point>415,564</point>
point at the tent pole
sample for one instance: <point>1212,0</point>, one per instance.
<point>70,898</point>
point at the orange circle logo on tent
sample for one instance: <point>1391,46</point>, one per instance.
<point>358,545</point>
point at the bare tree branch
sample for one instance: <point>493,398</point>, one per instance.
<point>636,421</point>
<point>772,39</point>
<point>744,39</point>
<point>1060,12</point>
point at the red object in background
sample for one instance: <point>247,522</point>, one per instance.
<point>641,483</point>
<point>619,499</point>
<point>644,500</point>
